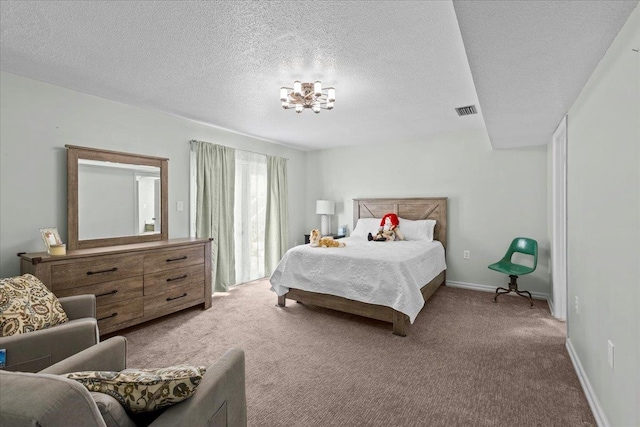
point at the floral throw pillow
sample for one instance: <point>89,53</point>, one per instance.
<point>27,305</point>
<point>144,390</point>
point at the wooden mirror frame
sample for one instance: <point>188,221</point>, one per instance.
<point>73,154</point>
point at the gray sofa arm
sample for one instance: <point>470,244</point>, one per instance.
<point>30,400</point>
<point>79,306</point>
<point>34,351</point>
<point>219,400</point>
<point>109,355</point>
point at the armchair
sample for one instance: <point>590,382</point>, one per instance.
<point>48,399</point>
<point>34,351</point>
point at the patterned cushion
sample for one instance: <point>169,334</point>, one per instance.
<point>144,390</point>
<point>27,305</point>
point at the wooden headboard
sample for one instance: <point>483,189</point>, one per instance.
<point>409,208</point>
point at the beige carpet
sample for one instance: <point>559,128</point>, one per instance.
<point>465,362</point>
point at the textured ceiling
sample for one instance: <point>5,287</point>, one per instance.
<point>399,67</point>
<point>531,59</point>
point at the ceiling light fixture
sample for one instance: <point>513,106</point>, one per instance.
<point>307,95</point>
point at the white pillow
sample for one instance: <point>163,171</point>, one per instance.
<point>364,226</point>
<point>418,230</point>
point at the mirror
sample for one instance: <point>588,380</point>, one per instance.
<point>115,198</point>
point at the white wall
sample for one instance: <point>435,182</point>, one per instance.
<point>38,119</point>
<point>494,195</point>
<point>604,227</point>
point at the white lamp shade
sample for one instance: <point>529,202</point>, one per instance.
<point>331,95</point>
<point>325,207</point>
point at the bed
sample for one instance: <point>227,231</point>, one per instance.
<point>291,279</point>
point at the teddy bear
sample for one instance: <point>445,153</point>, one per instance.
<point>389,229</point>
<point>323,242</point>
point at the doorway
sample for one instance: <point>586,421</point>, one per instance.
<point>559,221</point>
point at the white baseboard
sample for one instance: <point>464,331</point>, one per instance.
<point>550,302</point>
<point>594,403</point>
<point>488,288</point>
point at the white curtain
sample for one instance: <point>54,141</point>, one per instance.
<point>249,215</point>
<point>277,219</point>
<point>215,173</point>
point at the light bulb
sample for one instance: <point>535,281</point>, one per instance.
<point>297,88</point>
<point>298,108</point>
<point>331,95</point>
<point>285,105</point>
<point>316,109</point>
<point>283,94</point>
<point>317,88</point>
<point>330,105</point>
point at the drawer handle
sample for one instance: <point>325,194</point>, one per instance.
<point>111,270</point>
<point>113,292</point>
<point>177,259</point>
<point>181,296</point>
<point>108,317</point>
<point>177,278</point>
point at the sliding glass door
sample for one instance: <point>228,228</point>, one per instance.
<point>249,213</point>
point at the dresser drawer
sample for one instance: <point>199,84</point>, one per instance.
<point>109,292</point>
<point>110,315</point>
<point>173,258</point>
<point>173,299</point>
<point>96,270</point>
<point>165,280</point>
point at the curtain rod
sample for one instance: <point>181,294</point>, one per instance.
<point>241,149</point>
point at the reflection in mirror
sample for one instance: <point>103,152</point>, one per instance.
<point>117,199</point>
<point>148,215</point>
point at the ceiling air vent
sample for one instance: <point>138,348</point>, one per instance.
<point>465,111</point>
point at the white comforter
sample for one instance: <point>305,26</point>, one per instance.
<point>384,273</point>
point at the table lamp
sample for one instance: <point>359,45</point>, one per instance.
<point>326,208</point>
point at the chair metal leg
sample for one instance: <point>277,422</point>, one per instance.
<point>525,294</point>
<point>513,287</point>
<point>504,291</point>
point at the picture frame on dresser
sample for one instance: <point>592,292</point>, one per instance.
<point>50,237</point>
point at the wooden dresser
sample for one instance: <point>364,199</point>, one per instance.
<point>132,283</point>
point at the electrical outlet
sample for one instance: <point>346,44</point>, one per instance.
<point>180,206</point>
<point>577,311</point>
<point>610,354</point>
<point>466,254</point>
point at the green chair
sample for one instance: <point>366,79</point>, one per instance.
<point>522,245</point>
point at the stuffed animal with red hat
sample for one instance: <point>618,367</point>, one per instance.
<point>389,229</point>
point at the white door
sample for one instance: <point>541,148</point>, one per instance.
<point>559,227</point>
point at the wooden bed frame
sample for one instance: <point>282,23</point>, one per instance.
<point>408,208</point>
